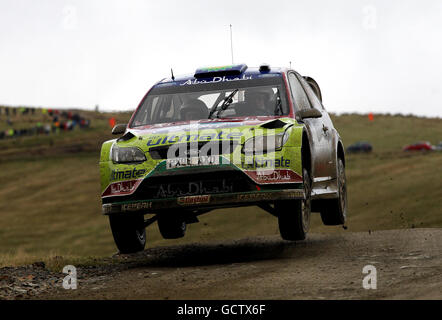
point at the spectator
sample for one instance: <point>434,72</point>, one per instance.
<point>76,117</point>
<point>39,128</point>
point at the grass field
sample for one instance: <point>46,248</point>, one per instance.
<point>50,190</point>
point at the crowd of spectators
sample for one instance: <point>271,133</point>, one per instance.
<point>47,121</point>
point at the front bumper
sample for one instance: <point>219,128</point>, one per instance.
<point>198,202</point>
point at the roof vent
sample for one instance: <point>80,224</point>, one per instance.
<point>264,67</point>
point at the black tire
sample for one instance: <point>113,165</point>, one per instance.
<point>171,227</point>
<point>334,211</point>
<point>294,215</point>
<point>128,231</point>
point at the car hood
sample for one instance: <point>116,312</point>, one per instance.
<point>202,124</point>
<point>204,130</point>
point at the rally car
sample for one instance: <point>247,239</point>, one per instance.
<point>222,137</point>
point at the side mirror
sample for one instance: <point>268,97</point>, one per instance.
<point>119,128</point>
<point>308,113</point>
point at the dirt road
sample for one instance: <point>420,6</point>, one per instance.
<point>326,266</point>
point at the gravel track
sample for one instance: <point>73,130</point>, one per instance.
<point>325,266</point>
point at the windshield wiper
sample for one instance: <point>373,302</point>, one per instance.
<point>226,103</point>
<point>278,107</point>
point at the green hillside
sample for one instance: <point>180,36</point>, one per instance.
<point>50,191</point>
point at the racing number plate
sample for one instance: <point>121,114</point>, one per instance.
<point>192,161</point>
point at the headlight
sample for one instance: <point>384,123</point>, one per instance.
<point>263,144</point>
<point>127,155</point>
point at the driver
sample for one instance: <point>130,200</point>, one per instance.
<point>259,101</point>
<point>194,109</point>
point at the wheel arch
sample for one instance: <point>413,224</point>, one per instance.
<point>340,152</point>
<point>306,153</point>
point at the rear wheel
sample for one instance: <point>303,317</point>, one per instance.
<point>334,211</point>
<point>171,227</point>
<point>294,215</point>
<point>128,231</point>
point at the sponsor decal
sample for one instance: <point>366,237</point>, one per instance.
<point>255,196</point>
<point>193,188</point>
<point>193,200</point>
<point>177,138</point>
<point>192,161</point>
<point>136,206</point>
<point>106,208</point>
<point>167,128</point>
<point>266,163</point>
<point>215,80</point>
<point>261,196</point>
<point>274,176</point>
<point>121,188</point>
<point>128,174</point>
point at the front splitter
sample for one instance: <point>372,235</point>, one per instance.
<point>202,201</point>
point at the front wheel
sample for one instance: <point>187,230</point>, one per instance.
<point>171,227</point>
<point>129,232</point>
<point>294,215</point>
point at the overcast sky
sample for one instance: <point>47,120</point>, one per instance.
<point>367,56</point>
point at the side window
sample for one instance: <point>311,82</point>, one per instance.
<point>146,111</point>
<point>161,109</point>
<point>311,95</point>
<point>151,110</point>
<point>298,94</point>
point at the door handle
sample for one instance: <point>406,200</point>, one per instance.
<point>324,128</point>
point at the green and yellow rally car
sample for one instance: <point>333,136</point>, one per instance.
<point>224,137</point>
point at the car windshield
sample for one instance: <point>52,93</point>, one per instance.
<point>168,103</point>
